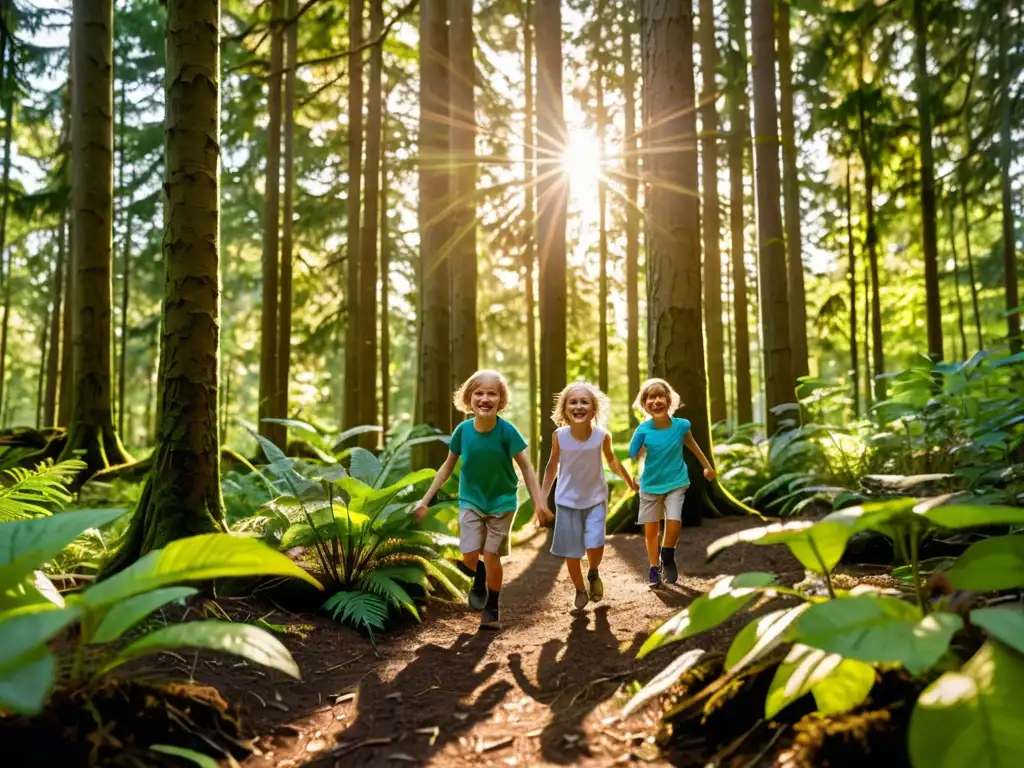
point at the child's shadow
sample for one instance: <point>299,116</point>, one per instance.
<point>572,686</point>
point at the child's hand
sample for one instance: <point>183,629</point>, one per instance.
<point>420,510</point>
<point>544,516</point>
<point>709,473</point>
<point>632,484</point>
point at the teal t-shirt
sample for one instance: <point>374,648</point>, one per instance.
<point>664,464</point>
<point>488,480</point>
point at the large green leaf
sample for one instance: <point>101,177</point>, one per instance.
<point>663,680</point>
<point>877,629</point>
<point>209,556</point>
<point>971,717</point>
<point>26,545</point>
<point>837,684</point>
<point>726,597</point>
<point>126,614</point>
<point>990,565</point>
<point>25,629</point>
<point>25,687</point>
<point>818,546</point>
<point>364,466</point>
<point>1005,624</point>
<point>34,589</point>
<point>762,636</point>
<point>249,642</point>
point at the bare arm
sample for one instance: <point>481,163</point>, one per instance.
<point>420,511</point>
<point>689,442</point>
<point>551,471</point>
<point>614,464</point>
<point>540,504</point>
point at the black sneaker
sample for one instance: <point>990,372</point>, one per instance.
<point>478,597</point>
<point>654,577</point>
<point>490,619</point>
<point>669,571</point>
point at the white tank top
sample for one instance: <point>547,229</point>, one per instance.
<point>581,483</point>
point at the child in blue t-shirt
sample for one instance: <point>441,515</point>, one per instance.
<point>663,483</point>
<point>489,447</point>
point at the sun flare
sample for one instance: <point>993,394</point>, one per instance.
<point>582,160</point>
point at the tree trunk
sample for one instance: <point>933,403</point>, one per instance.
<point>778,363</point>
<point>434,400</point>
<point>929,241</point>
<point>1006,182</point>
<point>268,389</point>
<point>122,362</point>
<point>739,140</point>
<point>791,197</point>
<point>67,352</point>
<point>355,320</point>
<point>956,281</point>
<point>675,336</point>
<point>462,82</point>
<point>552,204</point>
<point>182,495</point>
<point>284,332</point>
<point>871,238</point>
<point>970,261</point>
<point>869,327</point>
<point>53,352</point>
<point>5,256</point>
<point>530,223</point>
<point>632,213</point>
<point>711,219</point>
<point>852,281</point>
<point>92,193</point>
<point>385,265</point>
<point>602,201</point>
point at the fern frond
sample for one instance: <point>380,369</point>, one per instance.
<point>382,582</point>
<point>35,493</point>
<point>362,610</point>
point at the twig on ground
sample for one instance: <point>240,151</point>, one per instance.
<point>343,664</point>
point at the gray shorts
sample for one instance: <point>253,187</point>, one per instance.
<point>577,530</point>
<point>658,506</point>
<point>483,532</point>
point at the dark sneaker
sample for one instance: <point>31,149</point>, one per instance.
<point>596,587</point>
<point>654,577</point>
<point>669,570</point>
<point>581,599</point>
<point>490,619</point>
<point>478,597</point>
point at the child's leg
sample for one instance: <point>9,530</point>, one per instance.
<point>672,528</point>
<point>575,569</point>
<point>495,574</point>
<point>498,527</point>
<point>472,536</point>
<point>651,531</point>
<point>594,557</point>
<point>673,524</point>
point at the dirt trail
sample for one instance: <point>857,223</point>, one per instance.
<point>545,690</point>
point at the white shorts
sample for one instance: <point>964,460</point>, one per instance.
<point>658,506</point>
<point>487,533</point>
<point>577,530</point>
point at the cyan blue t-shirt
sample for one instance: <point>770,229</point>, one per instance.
<point>488,479</point>
<point>664,464</point>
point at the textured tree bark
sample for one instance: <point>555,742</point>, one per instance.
<point>711,219</point>
<point>182,494</point>
<point>530,214</point>
<point>852,282</point>
<point>385,304</point>
<point>1006,183</point>
<point>368,237</point>
<point>284,331</point>
<point>462,82</point>
<point>778,359</point>
<point>674,327</point>
<point>268,389</point>
<point>5,257</point>
<point>434,404</point>
<point>629,30</point>
<point>739,140</point>
<point>70,272</point>
<point>552,204</point>
<point>355,319</point>
<point>602,203</point>
<point>929,238</point>
<point>791,197</point>
<point>91,429</point>
<point>53,351</point>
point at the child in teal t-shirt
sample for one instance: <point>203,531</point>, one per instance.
<point>665,478</point>
<point>489,447</point>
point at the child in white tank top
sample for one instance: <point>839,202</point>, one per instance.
<point>581,498</point>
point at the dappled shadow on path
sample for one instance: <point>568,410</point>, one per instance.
<point>433,700</point>
<point>572,679</point>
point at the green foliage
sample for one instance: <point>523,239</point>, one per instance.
<point>838,644</point>
<point>35,493</point>
<point>33,611</point>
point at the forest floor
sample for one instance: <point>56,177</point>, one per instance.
<point>547,689</point>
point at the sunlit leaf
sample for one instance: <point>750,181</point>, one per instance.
<point>124,615</point>
<point>838,684</point>
<point>990,565</point>
<point>663,680</point>
<point>762,636</point>
<point>1003,623</point>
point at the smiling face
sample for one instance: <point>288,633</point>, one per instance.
<point>485,398</point>
<point>656,401</point>
<point>580,407</point>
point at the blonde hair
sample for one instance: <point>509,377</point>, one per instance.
<point>674,401</point>
<point>601,403</point>
<point>462,399</point>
